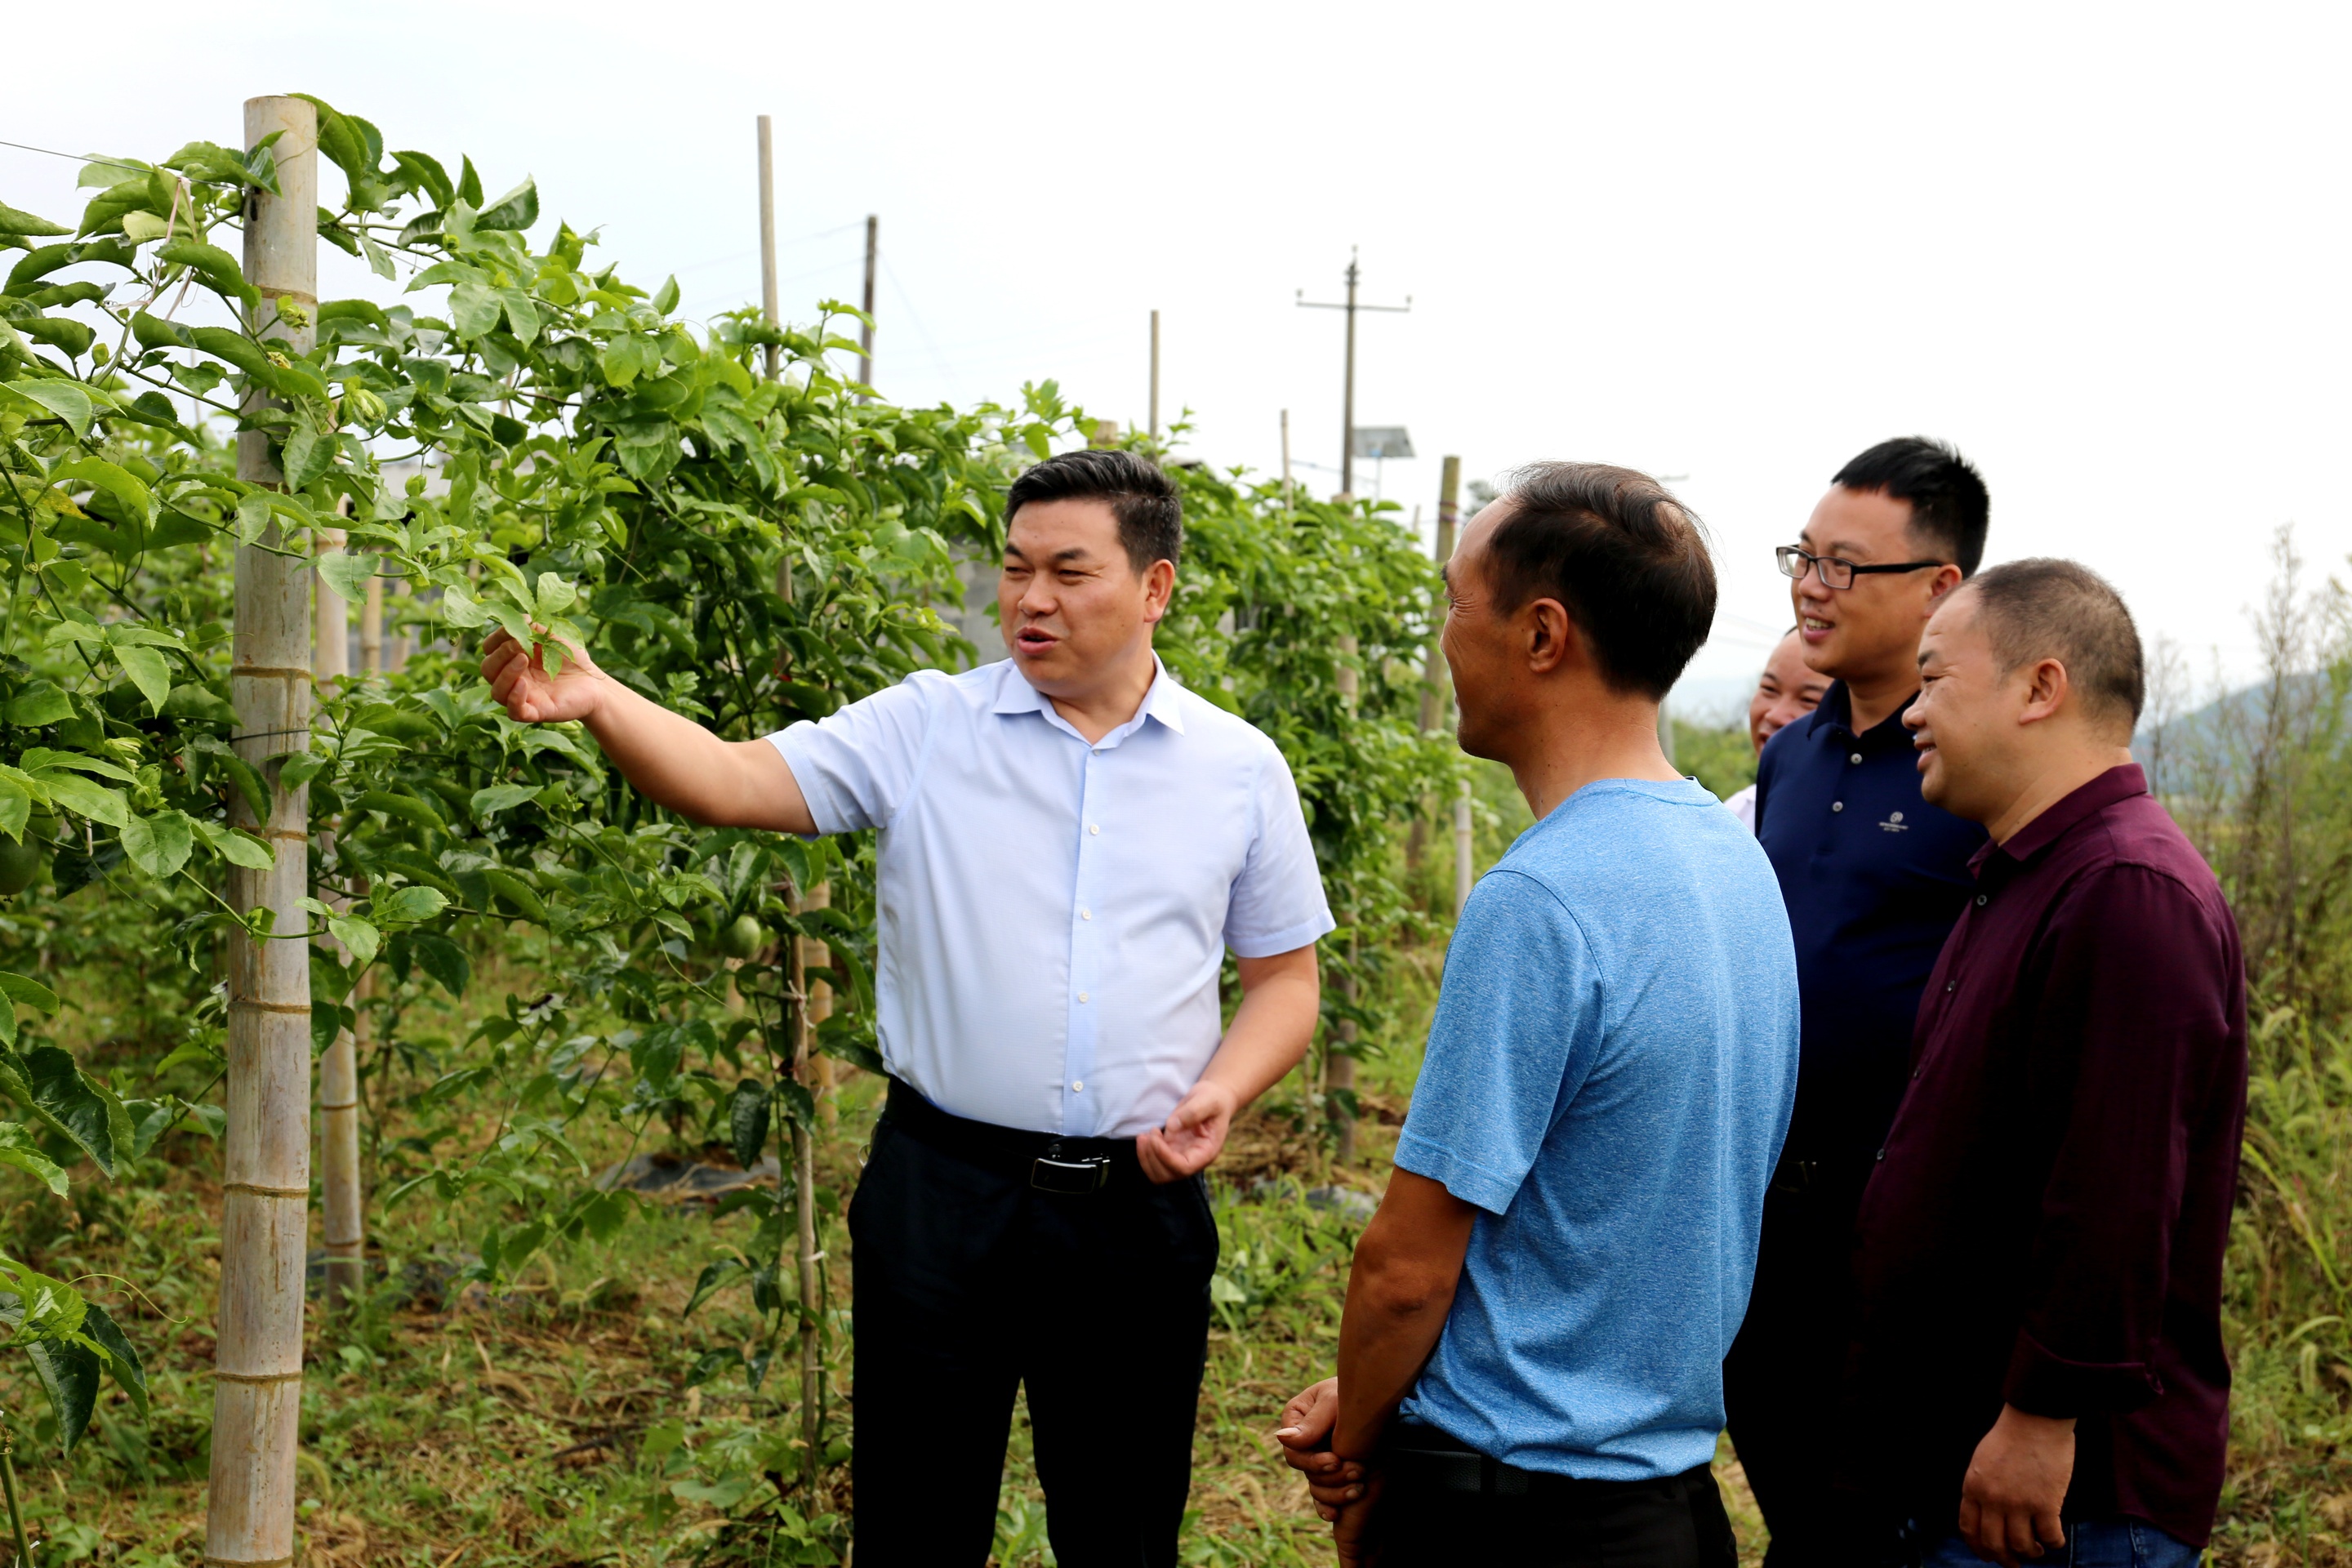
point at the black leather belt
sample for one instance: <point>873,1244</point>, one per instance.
<point>1442,1462</point>
<point>1069,1166</point>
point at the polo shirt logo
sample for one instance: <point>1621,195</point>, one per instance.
<point>1893,824</point>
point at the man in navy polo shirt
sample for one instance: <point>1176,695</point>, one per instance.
<point>1875,878</point>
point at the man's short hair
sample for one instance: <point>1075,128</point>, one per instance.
<point>2045,608</point>
<point>1629,562</point>
<point>1143,499</point>
<point>1949,507</point>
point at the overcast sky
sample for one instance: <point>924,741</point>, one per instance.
<point>2101,248</point>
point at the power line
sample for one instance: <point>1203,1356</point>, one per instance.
<point>79,157</point>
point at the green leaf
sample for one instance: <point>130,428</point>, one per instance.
<point>408,904</point>
<point>469,184</point>
<point>554,596</point>
<point>629,356</point>
<point>747,1121</point>
<point>443,960</point>
<point>65,399</point>
<point>715,1279</point>
<point>517,209</point>
<point>215,266</point>
<point>159,845</point>
<point>39,703</point>
<point>70,1101</point>
<point>30,993</point>
<point>488,803</point>
<point>15,220</point>
<point>100,474</point>
<point>521,314</point>
<point>86,799</point>
<point>70,1374</point>
<point>123,1360</point>
<point>473,311</point>
<point>665,298</point>
<point>347,572</point>
<point>358,935</point>
<point>235,846</point>
<point>305,457</point>
<point>148,672</point>
<point>17,1149</point>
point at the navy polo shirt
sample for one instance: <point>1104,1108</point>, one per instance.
<point>1875,878</point>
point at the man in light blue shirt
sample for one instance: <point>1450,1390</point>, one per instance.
<point>1531,1361</point>
<point>1069,843</point>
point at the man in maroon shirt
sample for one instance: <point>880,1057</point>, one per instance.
<point>2041,1363</point>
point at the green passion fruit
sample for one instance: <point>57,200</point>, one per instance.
<point>742,938</point>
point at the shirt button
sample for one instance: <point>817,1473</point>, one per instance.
<point>1082,996</point>
<point>1076,1084</point>
<point>1837,806</point>
<point>1983,899</point>
<point>1882,1155</point>
<point>1949,985</point>
<point>1855,758</point>
<point>1086,914</point>
<point>1094,828</point>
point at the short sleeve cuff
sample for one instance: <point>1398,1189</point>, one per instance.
<point>791,743</point>
<point>1472,1183</point>
<point>2041,1382</point>
<point>1254,946</point>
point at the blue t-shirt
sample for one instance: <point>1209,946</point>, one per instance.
<point>1608,1077</point>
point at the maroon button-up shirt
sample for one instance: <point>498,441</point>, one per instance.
<point>2044,1227</point>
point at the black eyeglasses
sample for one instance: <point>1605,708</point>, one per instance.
<point>1835,572</point>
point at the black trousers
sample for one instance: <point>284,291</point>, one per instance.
<point>1437,1512</point>
<point>1783,1382</point>
<point>969,1282</point>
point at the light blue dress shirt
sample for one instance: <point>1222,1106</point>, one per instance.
<point>1054,913</point>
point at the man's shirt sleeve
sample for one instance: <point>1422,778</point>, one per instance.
<point>2129,1040</point>
<point>1277,901</point>
<point>858,768</point>
<point>1518,1021</point>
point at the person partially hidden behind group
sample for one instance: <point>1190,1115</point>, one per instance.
<point>1530,1358</point>
<point>2040,1372</point>
<point>1787,691</point>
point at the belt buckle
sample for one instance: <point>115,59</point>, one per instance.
<point>1050,1174</point>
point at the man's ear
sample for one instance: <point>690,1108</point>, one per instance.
<point>2047,686</point>
<point>1158,587</point>
<point>1552,633</point>
<point>1947,578</point>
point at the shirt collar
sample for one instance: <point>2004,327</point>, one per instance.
<point>1164,700</point>
<point>2119,783</point>
<point>1836,712</point>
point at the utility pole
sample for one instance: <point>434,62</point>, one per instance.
<point>266,1176</point>
<point>1347,398</point>
<point>1155,381</point>
<point>1433,668</point>
<point>768,309</point>
<point>866,329</point>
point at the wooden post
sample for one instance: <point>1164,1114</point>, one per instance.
<point>1463,873</point>
<point>338,1073</point>
<point>768,236</point>
<point>1106,434</point>
<point>1155,380</point>
<point>266,1189</point>
<point>866,329</point>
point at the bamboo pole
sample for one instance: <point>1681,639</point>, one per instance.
<point>804,1206</point>
<point>338,1073</point>
<point>372,628</point>
<point>1340,1071</point>
<point>768,234</point>
<point>1287,502</point>
<point>1463,873</point>
<point>266,1190</point>
<point>1433,668</point>
<point>819,1003</point>
<point>865,328</point>
<point>1155,381</point>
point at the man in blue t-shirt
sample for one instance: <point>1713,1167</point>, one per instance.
<point>1531,1361</point>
